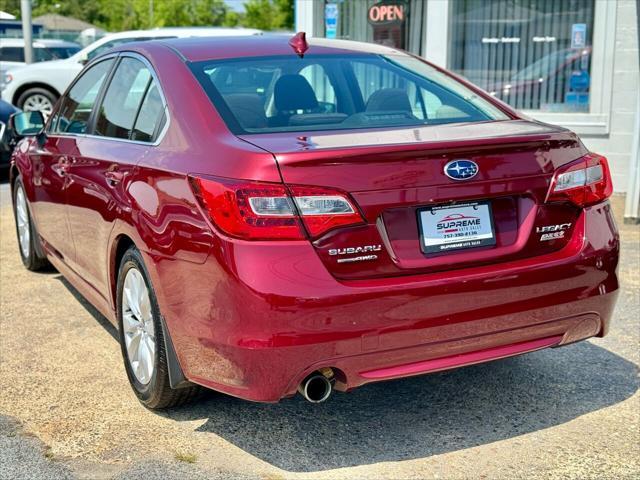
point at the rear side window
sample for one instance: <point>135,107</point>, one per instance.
<point>151,116</point>
<point>119,108</point>
<point>333,92</point>
<point>75,111</point>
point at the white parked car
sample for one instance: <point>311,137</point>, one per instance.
<point>38,86</point>
<point>12,53</point>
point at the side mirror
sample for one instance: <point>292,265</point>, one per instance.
<point>26,124</point>
<point>83,59</point>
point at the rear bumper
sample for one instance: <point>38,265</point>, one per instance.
<point>259,319</point>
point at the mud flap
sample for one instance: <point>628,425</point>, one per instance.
<point>176,375</point>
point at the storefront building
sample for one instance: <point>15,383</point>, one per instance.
<point>568,62</point>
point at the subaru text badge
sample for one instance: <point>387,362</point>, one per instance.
<point>461,169</point>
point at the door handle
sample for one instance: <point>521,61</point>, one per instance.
<point>62,167</point>
<point>114,176</point>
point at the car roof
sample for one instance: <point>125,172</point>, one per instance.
<point>199,49</point>
<point>38,43</point>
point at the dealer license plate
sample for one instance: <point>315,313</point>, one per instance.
<point>445,228</point>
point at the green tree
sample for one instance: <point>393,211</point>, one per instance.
<point>171,13</point>
<point>136,14</point>
<point>233,19</point>
<point>82,10</point>
<point>69,8</point>
<point>285,13</point>
<point>10,6</point>
<point>118,15</point>
<point>269,14</point>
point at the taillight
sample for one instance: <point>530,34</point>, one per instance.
<point>255,211</point>
<point>324,209</point>
<point>267,211</point>
<point>584,182</point>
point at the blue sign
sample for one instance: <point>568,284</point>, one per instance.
<point>330,20</point>
<point>579,81</point>
<point>578,35</point>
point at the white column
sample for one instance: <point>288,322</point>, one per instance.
<point>303,10</point>
<point>27,30</point>
<point>437,32</point>
<point>632,202</point>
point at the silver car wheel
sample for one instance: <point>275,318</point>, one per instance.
<point>38,102</point>
<point>137,321</point>
<point>22,219</point>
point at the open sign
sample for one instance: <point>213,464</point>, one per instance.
<point>385,13</point>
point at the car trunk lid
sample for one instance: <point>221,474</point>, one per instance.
<point>396,176</point>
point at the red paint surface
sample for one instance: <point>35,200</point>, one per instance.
<point>253,318</point>
<point>461,359</point>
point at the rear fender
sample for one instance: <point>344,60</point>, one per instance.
<point>124,230</point>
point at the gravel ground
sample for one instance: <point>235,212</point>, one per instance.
<point>66,410</point>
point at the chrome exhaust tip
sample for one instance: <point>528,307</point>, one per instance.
<point>316,388</point>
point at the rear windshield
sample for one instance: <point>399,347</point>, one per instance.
<point>286,93</point>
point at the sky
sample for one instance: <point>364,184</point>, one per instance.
<point>237,5</point>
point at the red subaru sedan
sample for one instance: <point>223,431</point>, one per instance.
<point>261,216</point>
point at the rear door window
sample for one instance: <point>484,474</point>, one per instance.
<point>119,108</point>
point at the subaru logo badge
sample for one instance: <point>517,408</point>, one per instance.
<point>461,169</point>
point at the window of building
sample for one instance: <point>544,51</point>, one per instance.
<point>394,23</point>
<point>532,54</point>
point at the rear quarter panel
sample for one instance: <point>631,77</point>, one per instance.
<point>164,219</point>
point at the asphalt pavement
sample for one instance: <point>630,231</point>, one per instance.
<point>66,409</point>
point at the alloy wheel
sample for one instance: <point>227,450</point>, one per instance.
<point>139,332</point>
<point>22,219</point>
<point>38,102</point>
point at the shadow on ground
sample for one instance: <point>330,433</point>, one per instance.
<point>104,323</point>
<point>423,416</point>
<point>417,417</point>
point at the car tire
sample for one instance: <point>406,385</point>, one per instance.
<point>31,98</point>
<point>28,239</point>
<point>139,321</point>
